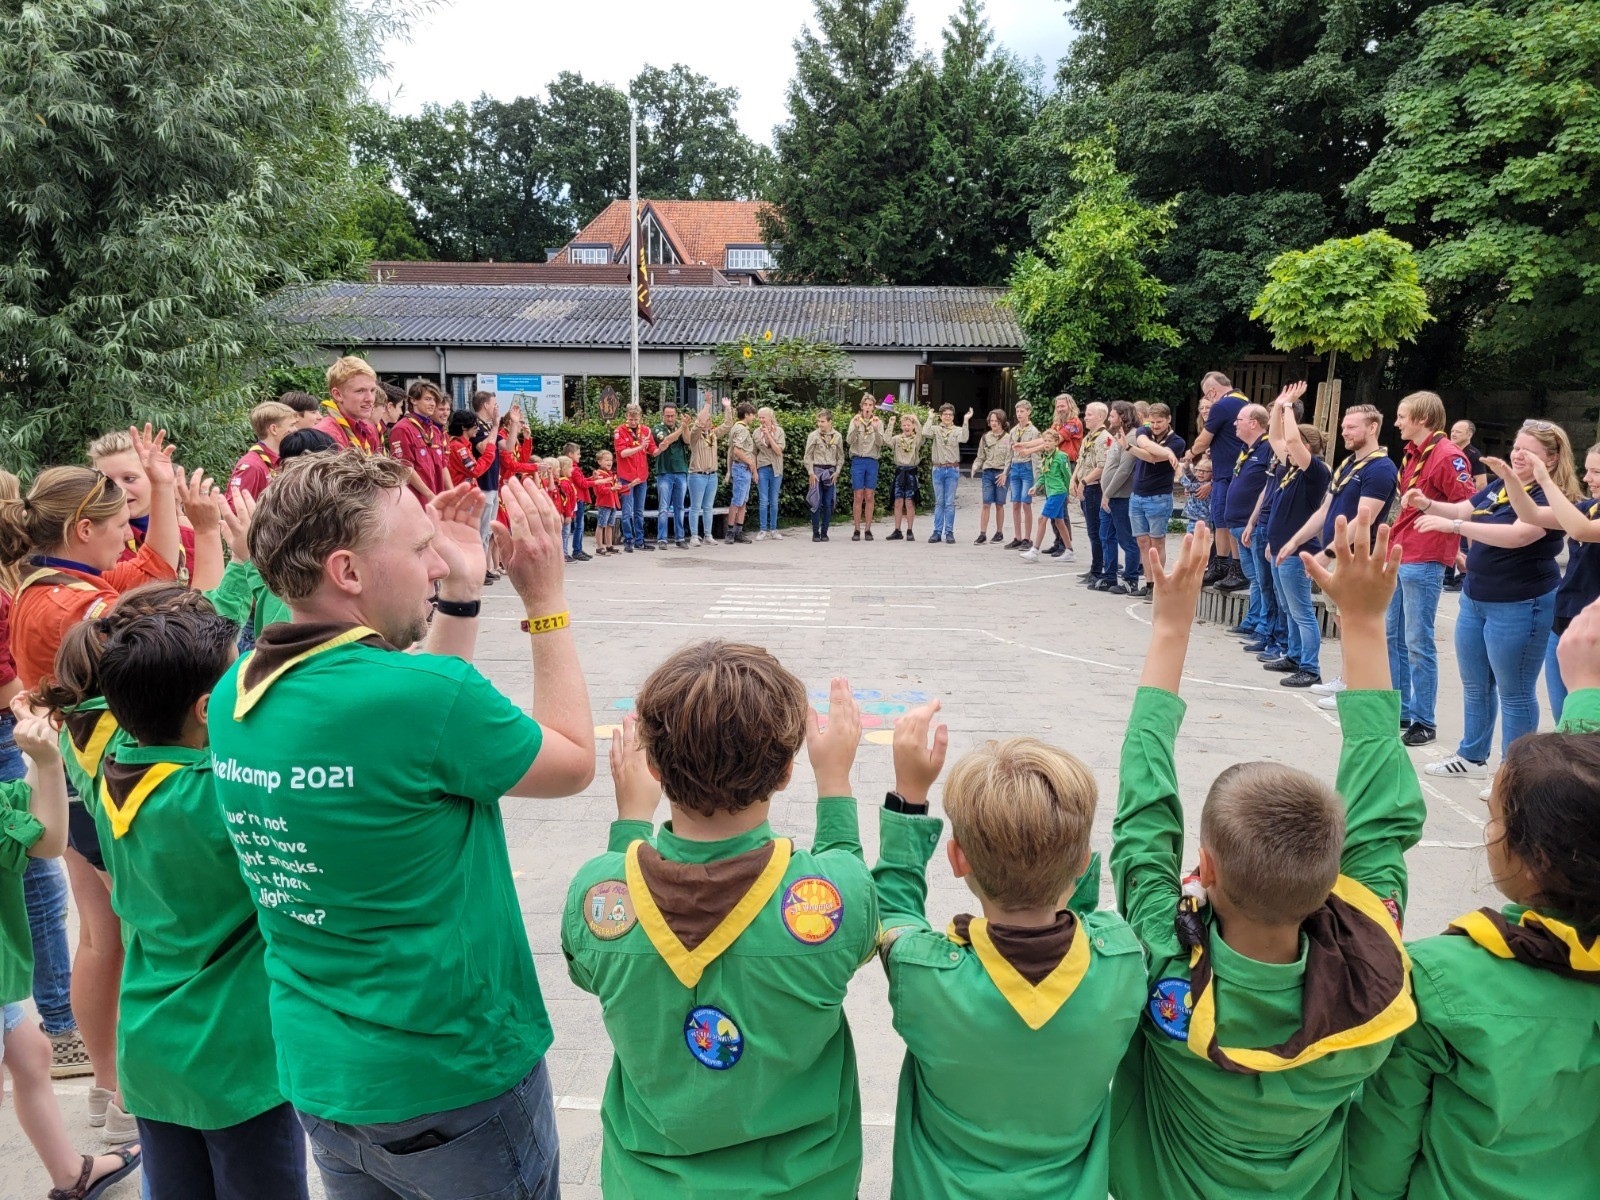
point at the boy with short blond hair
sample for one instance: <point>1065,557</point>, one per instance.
<point>270,422</point>
<point>1277,976</point>
<point>1015,1021</point>
<point>720,953</point>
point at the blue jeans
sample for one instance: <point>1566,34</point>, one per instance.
<point>1553,683</point>
<point>1499,648</point>
<point>633,515</point>
<point>702,490</point>
<point>945,481</point>
<point>739,486</point>
<point>1091,525</point>
<point>767,481</point>
<point>1121,534</point>
<point>505,1146</point>
<point>823,517</point>
<point>1020,476</point>
<point>1254,619</point>
<point>672,507</point>
<point>1413,657</point>
<point>1304,643</point>
<point>262,1156</point>
<point>578,514</point>
<point>1263,612</point>
<point>44,889</point>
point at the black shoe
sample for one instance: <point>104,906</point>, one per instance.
<point>1233,581</point>
<point>1025,544</point>
<point>1147,592</point>
<point>739,538</point>
<point>646,546</point>
<point>980,539</point>
<point>682,543</point>
<point>1057,550</point>
<point>869,535</point>
<point>627,548</point>
<point>856,536</point>
<point>1257,646</point>
<point>893,537</point>
<point>1241,631</point>
<point>1014,544</point>
<point>1300,679</point>
<point>1117,589</point>
<point>824,537</point>
<point>1285,665</point>
<point>910,536</point>
<point>816,537</point>
<point>1214,572</point>
<point>1419,734</point>
<point>728,539</point>
<point>1453,586</point>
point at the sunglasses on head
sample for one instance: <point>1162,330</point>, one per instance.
<point>1539,426</point>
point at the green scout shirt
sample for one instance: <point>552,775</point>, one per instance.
<point>734,1073</point>
<point>1495,1092</point>
<point>674,459</point>
<point>1005,1089</point>
<point>401,979</point>
<point>242,596</point>
<point>88,733</point>
<point>19,830</point>
<point>1181,1126</point>
<point>1057,474</point>
<point>194,1046</point>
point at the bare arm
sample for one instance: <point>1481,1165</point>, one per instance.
<point>48,785</point>
<point>1294,445</point>
<point>1557,512</point>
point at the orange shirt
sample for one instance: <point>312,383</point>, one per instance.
<point>42,612</point>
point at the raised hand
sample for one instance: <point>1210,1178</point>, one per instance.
<point>1177,591</point>
<point>917,761</point>
<point>833,750</point>
<point>638,792</point>
<point>535,562</point>
<point>1502,468</point>
<point>236,524</point>
<point>35,738</point>
<point>455,515</point>
<point>1364,573</point>
<point>199,499</point>
<point>155,456</point>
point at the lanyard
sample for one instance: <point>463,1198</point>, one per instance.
<point>1348,468</point>
<point>356,440</point>
<point>1418,462</point>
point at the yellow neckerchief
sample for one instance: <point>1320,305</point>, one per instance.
<point>247,698</point>
<point>1034,1003</point>
<point>1419,461</point>
<point>61,579</point>
<point>426,429</point>
<point>356,440</point>
<point>261,452</point>
<point>823,438</point>
<point>1244,455</point>
<point>1399,1013</point>
<point>1349,467</point>
<point>1535,940</point>
<point>121,819</point>
<point>1497,501</point>
<point>689,965</point>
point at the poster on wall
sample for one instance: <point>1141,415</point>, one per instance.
<point>540,396</point>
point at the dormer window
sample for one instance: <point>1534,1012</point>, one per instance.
<point>750,258</point>
<point>597,256</point>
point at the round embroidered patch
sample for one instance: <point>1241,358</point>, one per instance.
<point>713,1038</point>
<point>1170,1005</point>
<point>608,910</point>
<point>812,910</point>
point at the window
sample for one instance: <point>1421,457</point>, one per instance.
<point>750,258</point>
<point>592,255</point>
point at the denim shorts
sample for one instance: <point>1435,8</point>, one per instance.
<point>905,483</point>
<point>14,1015</point>
<point>993,492</point>
<point>1150,515</point>
<point>741,486</point>
<point>1055,507</point>
<point>1021,483</point>
<point>863,474</point>
<point>605,518</point>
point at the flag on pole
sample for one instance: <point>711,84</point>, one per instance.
<point>641,277</point>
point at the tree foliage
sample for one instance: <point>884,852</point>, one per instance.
<point>1092,311</point>
<point>164,168</point>
<point>1351,296</point>
<point>1493,164</point>
<point>793,372</point>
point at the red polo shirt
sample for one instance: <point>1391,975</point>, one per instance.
<point>253,472</point>
<point>419,443</point>
<point>636,467</point>
<point>1440,471</point>
<point>341,428</point>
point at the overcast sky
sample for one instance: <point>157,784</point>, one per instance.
<point>509,48</point>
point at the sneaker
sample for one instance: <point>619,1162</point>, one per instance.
<point>869,535</point>
<point>1483,793</point>
<point>567,558</point>
<point>1117,589</point>
<point>816,537</point>
<point>739,539</point>
<point>856,536</point>
<point>1147,592</point>
<point>1300,679</point>
<point>824,536</point>
<point>1239,631</point>
<point>99,1101</point>
<point>1331,703</point>
<point>682,543</point>
<point>1284,665</point>
<point>980,539</point>
<point>646,546</point>
<point>1233,581</point>
<point>894,537</point>
<point>584,556</point>
<point>1332,688</point>
<point>1271,654</point>
<point>68,1058</point>
<point>1419,734</point>
<point>1257,646</point>
<point>775,535</point>
<point>1456,767</point>
<point>911,535</point>
<point>694,542</point>
<point>1029,555</point>
<point>120,1127</point>
<point>1025,544</point>
<point>761,535</point>
<point>627,548</point>
<point>1014,544</point>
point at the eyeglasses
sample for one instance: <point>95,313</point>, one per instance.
<point>1539,426</point>
<point>90,497</point>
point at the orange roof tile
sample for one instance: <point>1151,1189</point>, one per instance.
<point>521,274</point>
<point>701,230</point>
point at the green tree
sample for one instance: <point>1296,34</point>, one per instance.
<point>1354,296</point>
<point>851,183</point>
<point>793,372</point>
<point>164,168</point>
<point>1092,313</point>
<point>385,221</point>
<point>690,144</point>
<point>588,137</point>
<point>1493,165</point>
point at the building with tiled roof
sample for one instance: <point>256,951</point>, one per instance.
<point>524,274</point>
<point>724,235</point>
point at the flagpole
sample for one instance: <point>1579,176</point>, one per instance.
<point>633,238</point>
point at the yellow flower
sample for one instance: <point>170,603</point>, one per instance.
<point>768,335</point>
<point>748,352</point>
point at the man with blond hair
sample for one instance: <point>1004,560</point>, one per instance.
<point>403,1000</point>
<point>352,396</point>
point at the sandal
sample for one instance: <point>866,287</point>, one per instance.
<point>83,1191</point>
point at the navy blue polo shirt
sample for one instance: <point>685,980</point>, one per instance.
<point>489,481</point>
<point>1496,575</point>
<point>1156,479</point>
<point>1357,479</point>
<point>1300,494</point>
<point>1580,586</point>
<point>1225,443</point>
<point>1249,477</point>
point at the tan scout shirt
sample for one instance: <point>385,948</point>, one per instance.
<point>770,455</point>
<point>1093,455</point>
<point>907,448</point>
<point>741,440</point>
<point>947,443</point>
<point>703,448</point>
<point>994,452</point>
<point>865,440</point>
<point>824,450</point>
<point>1026,433</point>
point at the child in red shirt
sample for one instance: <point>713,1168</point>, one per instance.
<point>585,490</point>
<point>608,491</point>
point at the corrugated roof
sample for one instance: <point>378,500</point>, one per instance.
<point>867,318</point>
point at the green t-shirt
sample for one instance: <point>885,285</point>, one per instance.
<point>743,1083</point>
<point>1057,474</point>
<point>1182,1127</point>
<point>194,1045</point>
<point>243,598</point>
<point>989,1104</point>
<point>402,983</point>
<point>19,830</point>
<point>674,460</point>
<point>1495,1092</point>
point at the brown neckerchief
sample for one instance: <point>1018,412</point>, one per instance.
<point>1033,952</point>
<point>694,898</point>
<point>283,641</point>
<point>1536,941</point>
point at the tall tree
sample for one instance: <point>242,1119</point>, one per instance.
<point>165,166</point>
<point>690,145</point>
<point>1494,162</point>
<point>588,138</point>
<point>851,184</point>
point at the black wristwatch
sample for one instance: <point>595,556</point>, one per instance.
<point>896,803</point>
<point>457,608</point>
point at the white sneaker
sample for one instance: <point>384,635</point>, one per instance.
<point>1330,688</point>
<point>1487,788</point>
<point>694,543</point>
<point>1067,555</point>
<point>775,536</point>
<point>1331,703</point>
<point>1456,767</point>
<point>1031,555</point>
<point>761,536</point>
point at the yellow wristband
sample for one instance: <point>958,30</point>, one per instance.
<point>545,624</point>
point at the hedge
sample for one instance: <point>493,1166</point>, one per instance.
<point>594,436</point>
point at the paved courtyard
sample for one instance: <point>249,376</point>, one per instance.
<point>1008,646</point>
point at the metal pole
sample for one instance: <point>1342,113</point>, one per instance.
<point>633,238</point>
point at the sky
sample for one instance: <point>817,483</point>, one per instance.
<point>509,48</point>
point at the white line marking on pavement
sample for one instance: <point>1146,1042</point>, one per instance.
<point>1321,712</point>
<point>906,606</point>
<point>1133,610</point>
<point>1451,804</point>
<point>1431,844</point>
